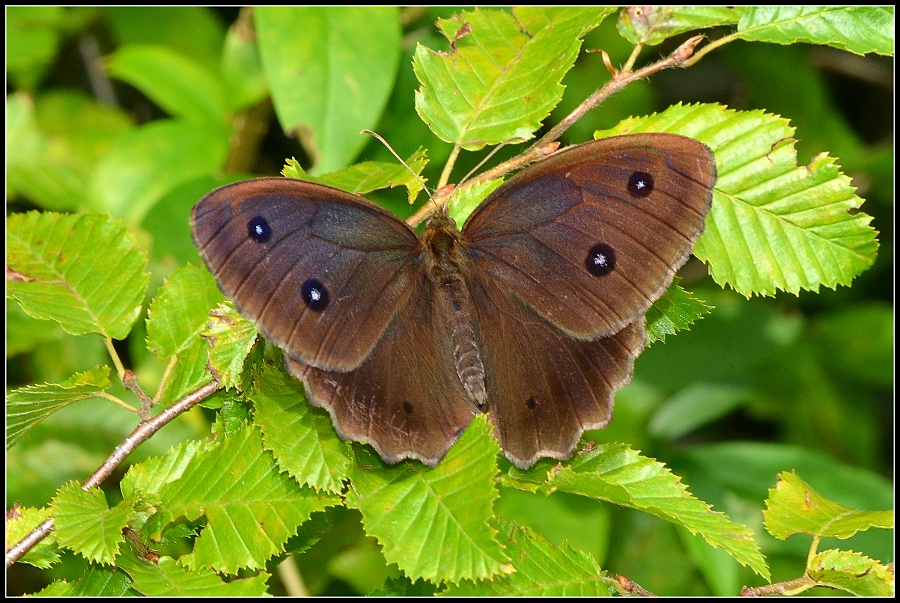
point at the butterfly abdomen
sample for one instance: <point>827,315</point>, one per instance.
<point>445,266</point>
<point>463,338</point>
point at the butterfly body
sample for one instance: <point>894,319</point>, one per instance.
<point>532,312</point>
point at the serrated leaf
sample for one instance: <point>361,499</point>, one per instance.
<point>852,572</point>
<point>230,337</point>
<point>176,82</point>
<point>28,406</point>
<point>368,176</point>
<point>167,578</point>
<point>83,271</point>
<point>177,316</point>
<point>793,507</point>
<point>189,372</point>
<point>772,225</point>
<point>250,508</point>
<point>539,568</point>
<point>653,25</point>
<point>20,521</point>
<point>301,437</point>
<point>615,473</point>
<point>502,75</point>
<point>463,201</point>
<point>858,29</point>
<point>402,586</point>
<point>674,311</point>
<point>433,522</point>
<point>95,581</point>
<point>335,79</point>
<point>85,523</point>
<point>180,311</point>
<point>145,479</point>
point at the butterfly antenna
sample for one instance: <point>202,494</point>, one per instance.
<point>483,161</point>
<point>400,159</point>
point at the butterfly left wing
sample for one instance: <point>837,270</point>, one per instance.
<point>405,399</point>
<point>319,270</point>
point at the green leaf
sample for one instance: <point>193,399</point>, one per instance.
<point>65,129</point>
<point>250,508</point>
<point>193,31</point>
<point>177,83</point>
<point>615,473</point>
<point>20,521</point>
<point>96,581</point>
<point>167,578</point>
<point>189,372</point>
<point>242,71</point>
<point>852,572</point>
<point>793,507</point>
<point>177,316</point>
<point>434,522</point>
<point>146,479</point>
<point>367,176</point>
<point>149,162</point>
<point>28,406</point>
<point>85,523</point>
<point>772,225</point>
<point>33,36</point>
<point>676,310</point>
<point>465,200</point>
<point>180,311</point>
<point>857,29</point>
<point>230,338</point>
<point>83,271</point>
<point>864,334</point>
<point>301,437</point>
<point>333,80</point>
<point>653,25</point>
<point>694,407</point>
<point>502,75</point>
<point>538,568</point>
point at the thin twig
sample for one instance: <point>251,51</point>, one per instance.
<point>541,148</point>
<point>141,434</point>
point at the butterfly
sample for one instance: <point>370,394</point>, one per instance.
<point>533,311</point>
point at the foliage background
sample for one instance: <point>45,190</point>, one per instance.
<point>759,386</point>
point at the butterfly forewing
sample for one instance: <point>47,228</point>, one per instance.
<point>592,236</point>
<point>320,271</point>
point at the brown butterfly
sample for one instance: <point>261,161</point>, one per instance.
<point>533,312</point>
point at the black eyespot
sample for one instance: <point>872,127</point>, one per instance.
<point>315,295</point>
<point>640,184</point>
<point>259,230</point>
<point>408,408</point>
<point>531,403</point>
<point>601,259</point>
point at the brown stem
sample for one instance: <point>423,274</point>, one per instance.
<point>788,587</point>
<point>542,147</point>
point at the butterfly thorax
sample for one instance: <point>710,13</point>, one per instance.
<point>445,266</point>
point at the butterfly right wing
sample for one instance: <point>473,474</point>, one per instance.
<point>546,388</point>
